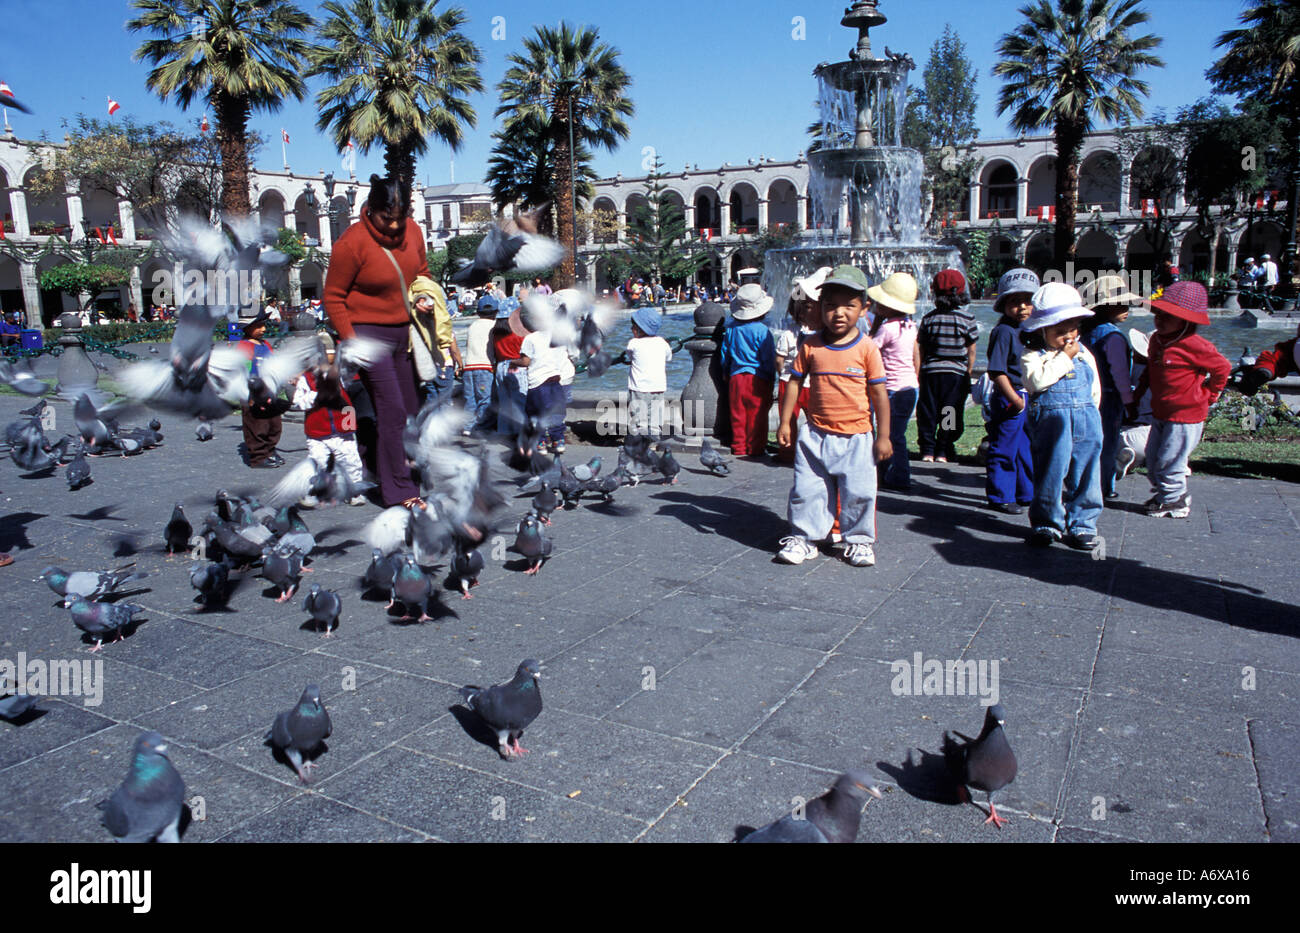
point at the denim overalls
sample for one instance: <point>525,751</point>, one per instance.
<point>1065,441</point>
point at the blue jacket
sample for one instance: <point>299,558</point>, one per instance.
<point>748,347</point>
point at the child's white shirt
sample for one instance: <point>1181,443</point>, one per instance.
<point>1044,368</point>
<point>647,359</point>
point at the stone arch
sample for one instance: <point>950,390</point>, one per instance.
<point>1144,161</point>
<point>306,219</point>
<point>1099,180</point>
<point>708,209</point>
<point>958,244</point>
<point>54,302</point>
<point>1040,251</point>
<point>46,214</point>
<point>1194,255</point>
<point>270,206</point>
<point>605,203</point>
<point>11,286</point>
<point>153,287</point>
<point>312,279</point>
<point>1042,182</point>
<point>998,188</point>
<point>1140,253</point>
<point>99,209</point>
<point>1002,252</point>
<point>741,259</point>
<point>339,216</point>
<point>1263,236</point>
<point>1096,250</point>
<point>743,199</point>
<point>782,203</point>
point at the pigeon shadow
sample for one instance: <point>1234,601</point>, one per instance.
<point>101,514</point>
<point>125,631</point>
<point>115,596</point>
<point>45,473</point>
<point>741,831</point>
<point>126,544</point>
<point>334,550</point>
<point>741,521</point>
<point>928,779</point>
<point>613,509</point>
<point>13,531</point>
<point>518,565</point>
<point>28,715</point>
<point>312,625</point>
<point>475,727</point>
<point>434,608</point>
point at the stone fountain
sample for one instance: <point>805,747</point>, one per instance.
<point>860,162</point>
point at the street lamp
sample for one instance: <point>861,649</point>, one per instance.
<point>352,197</point>
<point>309,195</point>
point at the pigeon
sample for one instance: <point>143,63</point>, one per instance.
<point>545,502</point>
<point>637,448</point>
<point>88,583</point>
<point>530,542</point>
<point>178,531</point>
<point>551,475</point>
<point>231,542</point>
<point>509,708</point>
<point>832,817</point>
<point>22,379</point>
<point>98,619</point>
<point>328,482</point>
<point>411,587</point>
<point>603,486</point>
<point>147,805</point>
<point>586,471</point>
<point>668,464</point>
<point>383,568</point>
<point>570,488</point>
<point>324,606</point>
<point>29,448</point>
<point>712,461</point>
<point>466,565</point>
<point>283,567</point>
<point>509,246</point>
<point>986,763</point>
<point>96,425</point>
<point>16,706</point>
<point>203,431</point>
<point>530,433</point>
<point>78,472</point>
<point>301,730</point>
<point>212,581</point>
<point>591,339</point>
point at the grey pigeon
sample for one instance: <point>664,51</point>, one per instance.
<point>98,619</point>
<point>324,606</point>
<point>587,471</point>
<point>178,531</point>
<point>96,426</point>
<point>570,488</point>
<point>986,763</point>
<point>531,543</point>
<point>147,805</point>
<point>203,431</point>
<point>550,476</point>
<point>509,708</point>
<point>231,542</point>
<point>466,565</point>
<point>667,464</point>
<point>78,472</point>
<point>411,587</point>
<point>301,730</point>
<point>22,379</point>
<point>14,707</point>
<point>530,433</point>
<point>545,502</point>
<point>604,486</point>
<point>88,583</point>
<point>510,246</point>
<point>212,582</point>
<point>712,461</point>
<point>283,567</point>
<point>379,575</point>
<point>832,817</point>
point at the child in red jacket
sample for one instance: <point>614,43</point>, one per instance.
<point>331,421</point>
<point>1185,374</point>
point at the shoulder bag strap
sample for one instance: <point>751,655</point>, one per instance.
<point>416,324</point>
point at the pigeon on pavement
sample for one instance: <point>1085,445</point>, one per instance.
<point>712,461</point>
<point>212,582</point>
<point>178,531</point>
<point>324,606</point>
<point>986,763</point>
<point>283,567</point>
<point>466,565</point>
<point>509,708</point>
<point>411,587</point>
<point>545,502</point>
<point>87,583</point>
<point>383,568</point>
<point>203,431</point>
<point>13,707</point>
<point>98,619</point>
<point>531,543</point>
<point>301,730</point>
<point>832,817</point>
<point>147,805</point>
<point>78,472</point>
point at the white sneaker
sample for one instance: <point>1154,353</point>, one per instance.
<point>796,550</point>
<point>1124,461</point>
<point>358,500</point>
<point>860,555</point>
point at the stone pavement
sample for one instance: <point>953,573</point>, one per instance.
<point>692,685</point>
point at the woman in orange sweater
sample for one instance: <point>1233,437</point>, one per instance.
<point>372,265</point>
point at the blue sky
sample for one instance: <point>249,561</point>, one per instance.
<point>713,80</point>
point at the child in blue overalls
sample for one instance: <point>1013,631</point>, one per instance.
<point>1064,421</point>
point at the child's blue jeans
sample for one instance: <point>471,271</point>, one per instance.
<point>1065,440</point>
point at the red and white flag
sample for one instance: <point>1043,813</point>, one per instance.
<point>706,234</point>
<point>113,106</point>
<point>1148,207</point>
<point>7,99</point>
<point>284,135</point>
<point>4,90</point>
<point>1047,213</point>
<point>203,124</point>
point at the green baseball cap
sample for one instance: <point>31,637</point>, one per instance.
<point>848,276</point>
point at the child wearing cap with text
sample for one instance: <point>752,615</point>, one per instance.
<point>836,452</point>
<point>1064,420</point>
<point>1186,373</point>
<point>647,374</point>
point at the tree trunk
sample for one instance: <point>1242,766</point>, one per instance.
<point>1069,143</point>
<point>399,163</point>
<point>232,141</point>
<point>561,184</point>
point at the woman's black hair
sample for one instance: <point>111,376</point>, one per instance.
<point>385,195</point>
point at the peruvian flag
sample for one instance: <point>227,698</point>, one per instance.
<point>1148,207</point>
<point>7,99</point>
<point>203,124</point>
<point>1046,213</point>
<point>113,106</point>
<point>284,135</point>
<point>706,234</point>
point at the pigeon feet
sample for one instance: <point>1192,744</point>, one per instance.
<point>994,818</point>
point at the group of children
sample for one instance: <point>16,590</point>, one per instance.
<point>1056,403</point>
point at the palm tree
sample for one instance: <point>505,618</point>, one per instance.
<point>567,71</point>
<point>1062,68</point>
<point>401,73</point>
<point>1263,61</point>
<point>237,56</point>
<point>520,168</point>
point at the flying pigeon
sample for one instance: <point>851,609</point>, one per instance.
<point>301,730</point>
<point>509,246</point>
<point>22,379</point>
<point>531,543</point>
<point>98,619</point>
<point>88,583</point>
<point>712,461</point>
<point>509,708</point>
<point>986,763</point>
<point>147,805</point>
<point>832,817</point>
<point>324,606</point>
<point>178,531</point>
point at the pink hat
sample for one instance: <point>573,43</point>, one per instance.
<point>1186,300</point>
